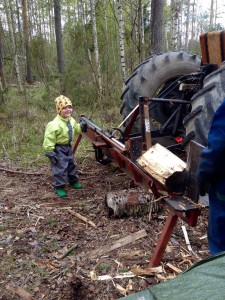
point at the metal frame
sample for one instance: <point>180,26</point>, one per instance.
<point>108,147</point>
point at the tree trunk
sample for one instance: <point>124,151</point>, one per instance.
<point>175,23</point>
<point>58,33</point>
<point>142,31</point>
<point>193,22</point>
<point>96,50</point>
<point>187,25</point>
<point>29,76</point>
<point>13,43</point>
<point>121,37</point>
<point>211,15</point>
<point>156,26</point>
<point>2,77</point>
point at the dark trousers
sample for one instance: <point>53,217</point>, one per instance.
<point>64,170</point>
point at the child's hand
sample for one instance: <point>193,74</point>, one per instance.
<point>52,157</point>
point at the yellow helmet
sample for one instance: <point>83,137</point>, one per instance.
<point>61,102</point>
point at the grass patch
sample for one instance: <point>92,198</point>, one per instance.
<point>52,222</point>
<point>3,228</point>
<point>104,266</point>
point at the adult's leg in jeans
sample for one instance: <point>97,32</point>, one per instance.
<point>216,225</point>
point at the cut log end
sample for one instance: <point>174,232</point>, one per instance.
<point>130,203</point>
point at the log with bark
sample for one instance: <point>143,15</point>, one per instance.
<point>165,167</point>
<point>130,203</point>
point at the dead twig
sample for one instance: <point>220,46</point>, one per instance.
<point>8,211</point>
<point>68,251</point>
<point>82,218</point>
<point>20,172</point>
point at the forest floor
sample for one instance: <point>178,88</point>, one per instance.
<point>37,229</point>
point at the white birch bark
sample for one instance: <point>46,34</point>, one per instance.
<point>105,23</point>
<point>121,39</point>
<point>175,23</point>
<point>193,22</point>
<point>142,32</point>
<point>96,50</point>
<point>211,14</point>
<point>13,43</point>
<point>215,12</point>
<point>187,25</point>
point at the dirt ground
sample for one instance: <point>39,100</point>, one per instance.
<point>37,229</point>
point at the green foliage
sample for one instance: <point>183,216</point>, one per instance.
<point>23,127</point>
<point>43,58</point>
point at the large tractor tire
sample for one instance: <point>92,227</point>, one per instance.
<point>204,104</point>
<point>152,77</point>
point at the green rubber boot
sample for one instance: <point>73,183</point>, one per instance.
<point>77,186</point>
<point>61,193</point>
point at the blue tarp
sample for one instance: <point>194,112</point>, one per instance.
<point>205,280</point>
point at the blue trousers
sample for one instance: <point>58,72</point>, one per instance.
<point>216,225</point>
<point>64,170</point>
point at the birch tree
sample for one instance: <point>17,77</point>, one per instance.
<point>193,21</point>
<point>26,42</point>
<point>96,50</point>
<point>2,77</point>
<point>187,24</point>
<point>121,39</point>
<point>9,15</point>
<point>175,8</point>
<point>211,14</point>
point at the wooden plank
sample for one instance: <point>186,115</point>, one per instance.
<point>119,243</point>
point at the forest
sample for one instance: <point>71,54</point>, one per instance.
<point>86,50</point>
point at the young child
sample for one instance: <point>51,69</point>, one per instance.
<point>57,146</point>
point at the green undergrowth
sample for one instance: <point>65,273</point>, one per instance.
<point>24,115</point>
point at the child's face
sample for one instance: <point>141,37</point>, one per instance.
<point>66,112</point>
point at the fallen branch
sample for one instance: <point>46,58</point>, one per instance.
<point>68,251</point>
<point>19,172</point>
<point>82,218</point>
<point>119,243</point>
<point>9,211</point>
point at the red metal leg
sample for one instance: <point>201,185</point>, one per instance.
<point>163,240</point>
<point>77,143</point>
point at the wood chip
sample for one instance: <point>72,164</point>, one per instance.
<point>186,238</point>
<point>147,271</point>
<point>173,268</point>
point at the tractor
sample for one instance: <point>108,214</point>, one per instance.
<point>180,75</point>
